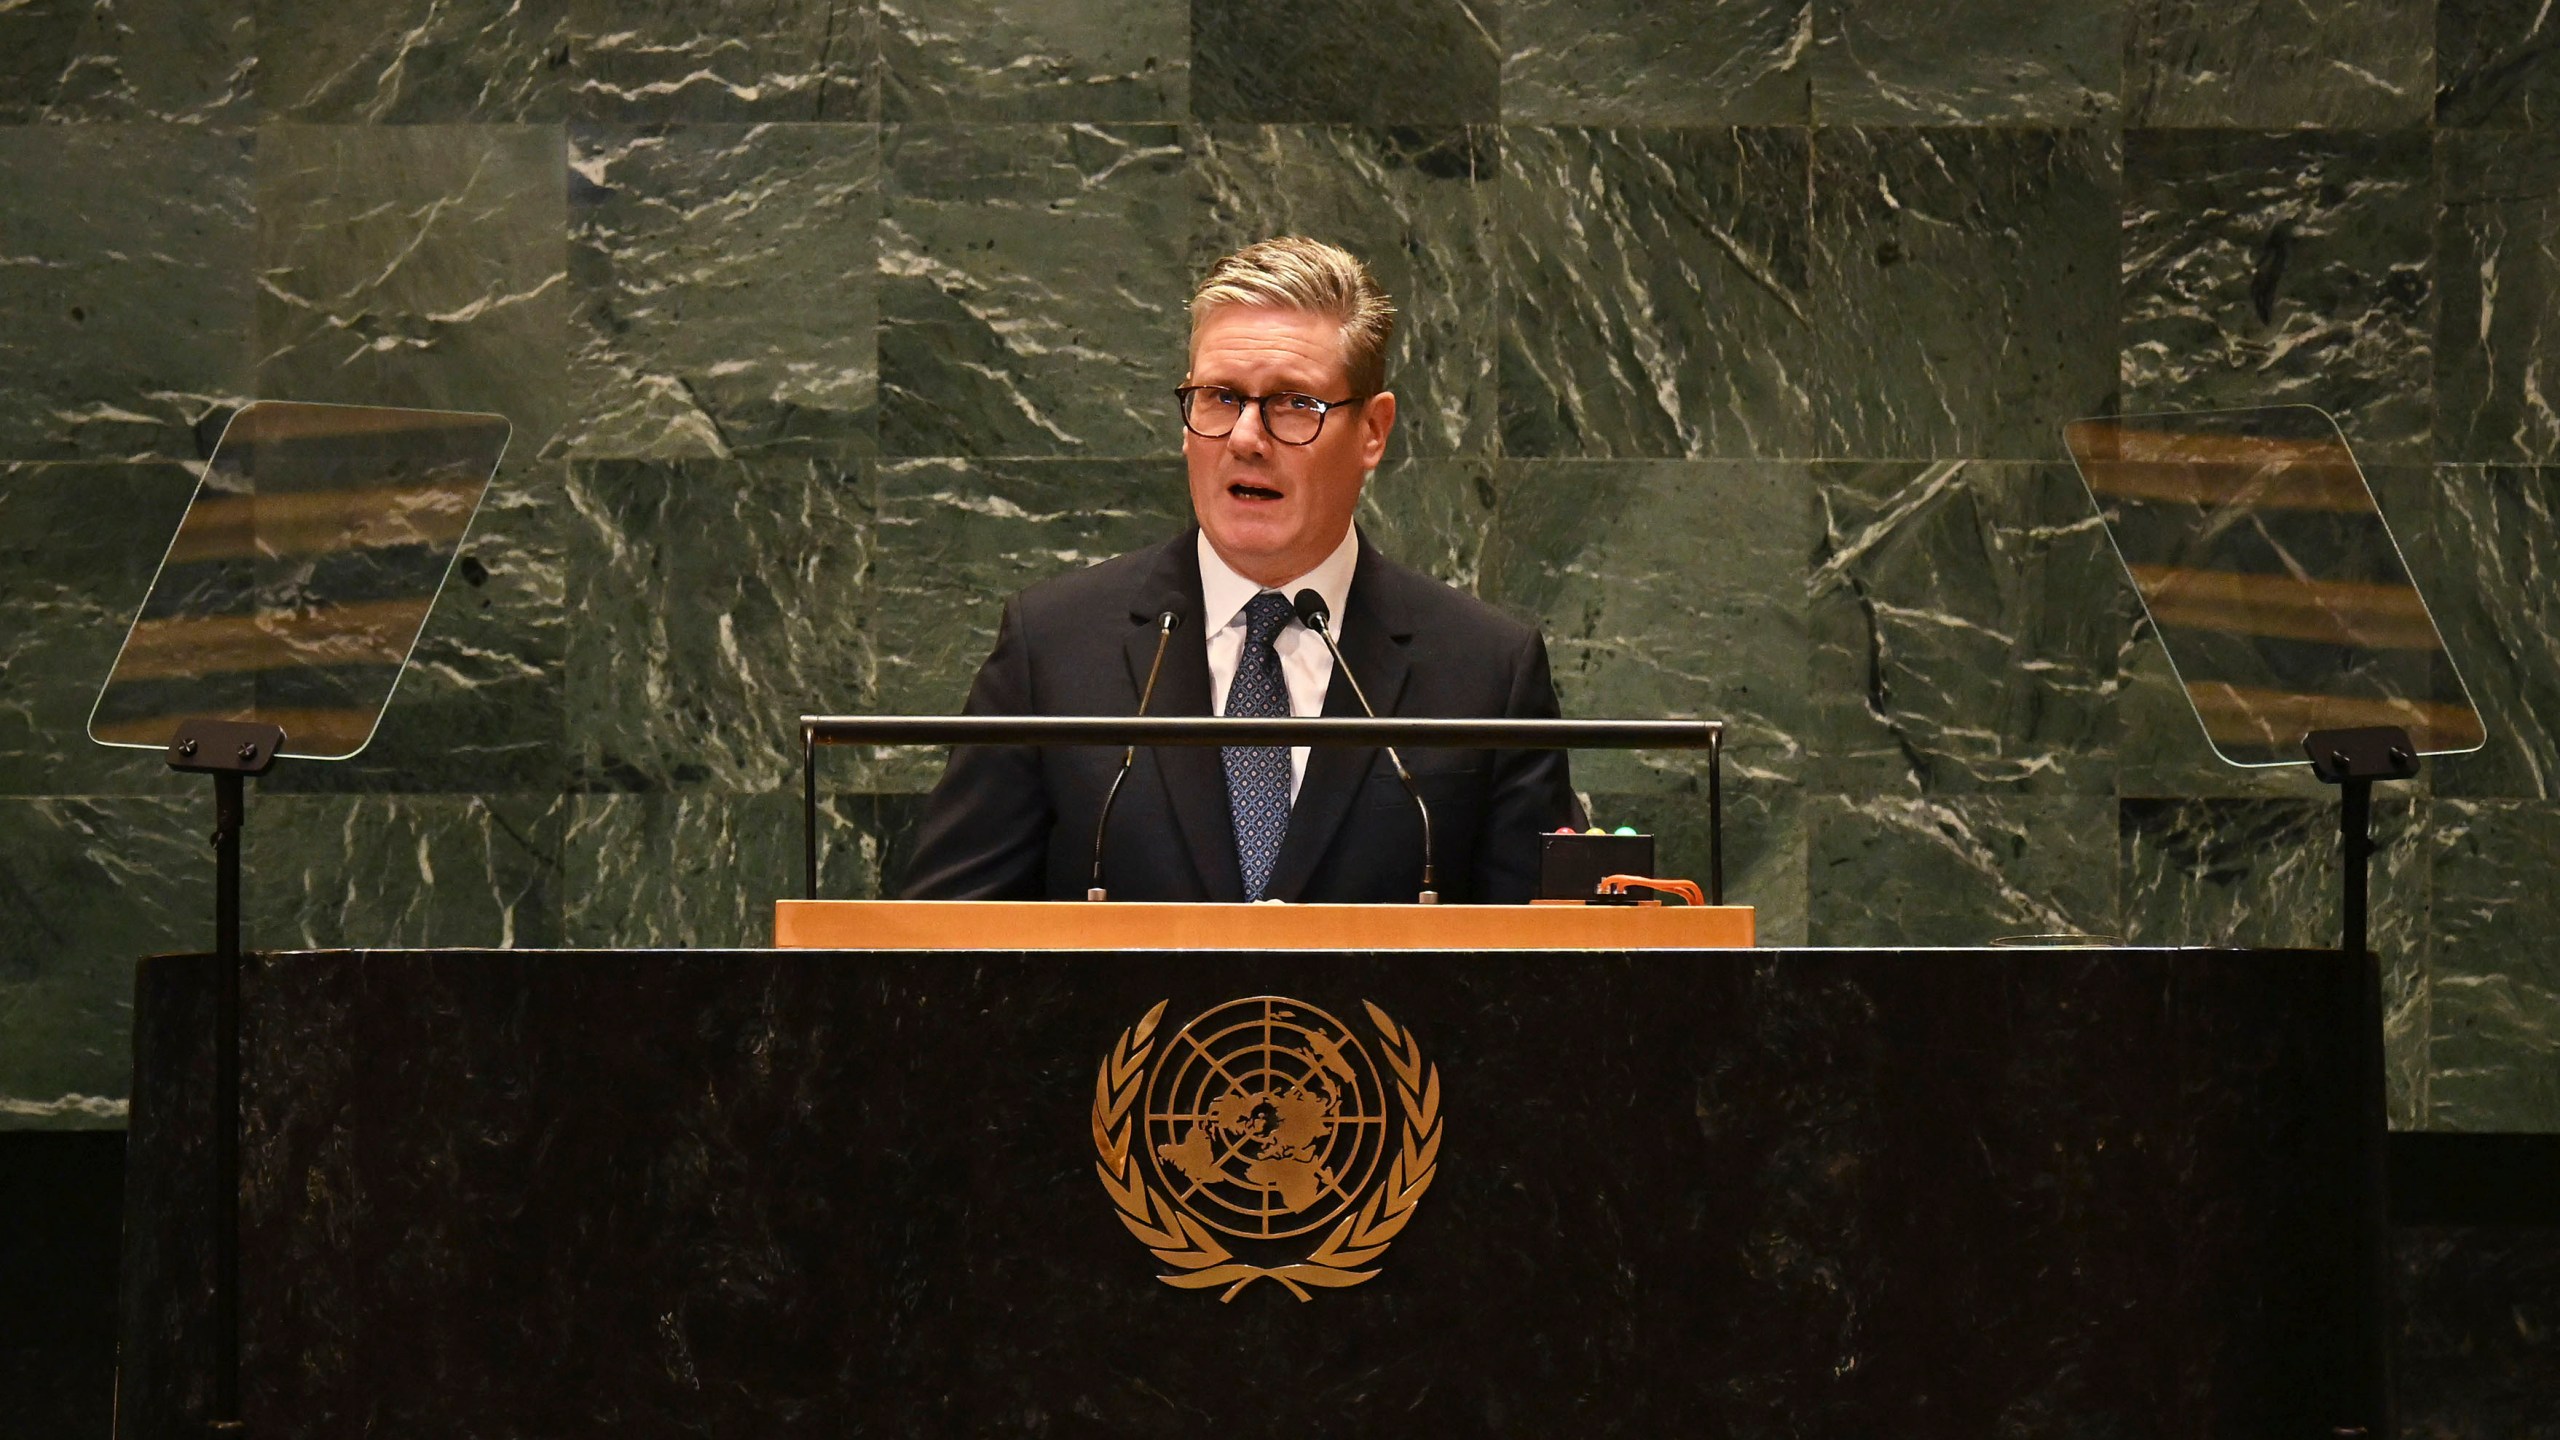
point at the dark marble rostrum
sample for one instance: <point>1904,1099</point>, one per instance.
<point>1736,335</point>
<point>1736,338</point>
<point>2479,1329</point>
<point>763,1193</point>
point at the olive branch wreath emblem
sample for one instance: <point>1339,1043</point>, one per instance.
<point>1200,1262</point>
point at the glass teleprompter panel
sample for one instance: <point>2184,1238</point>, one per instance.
<point>2272,579</point>
<point>302,574</point>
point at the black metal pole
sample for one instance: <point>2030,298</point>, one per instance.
<point>2377,1324</point>
<point>229,805</point>
<point>2355,837</point>
<point>230,751</point>
<point>2353,759</point>
<point>1715,819</point>
<point>228,812</point>
<point>2355,841</point>
<point>808,814</point>
<point>1115,732</point>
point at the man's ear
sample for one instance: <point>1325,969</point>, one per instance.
<point>1377,421</point>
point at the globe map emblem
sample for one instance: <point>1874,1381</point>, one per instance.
<point>1265,1118</point>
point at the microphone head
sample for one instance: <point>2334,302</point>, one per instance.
<point>1311,609</point>
<point>1169,621</point>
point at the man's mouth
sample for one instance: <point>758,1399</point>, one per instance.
<point>1247,490</point>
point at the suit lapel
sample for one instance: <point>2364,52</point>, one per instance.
<point>1375,632</point>
<point>1193,779</point>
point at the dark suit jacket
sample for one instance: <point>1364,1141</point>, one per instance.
<point>1017,822</point>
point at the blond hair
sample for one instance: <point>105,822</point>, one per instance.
<point>1293,272</point>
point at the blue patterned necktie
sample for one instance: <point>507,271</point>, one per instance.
<point>1258,775</point>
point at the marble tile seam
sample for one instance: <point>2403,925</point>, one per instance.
<point>891,129</point>
<point>287,120</point>
<point>1814,49</point>
<point>1185,130</point>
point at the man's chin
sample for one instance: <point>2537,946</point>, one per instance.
<point>1255,551</point>
<point>1257,528</point>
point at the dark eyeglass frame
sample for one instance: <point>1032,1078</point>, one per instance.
<point>1323,409</point>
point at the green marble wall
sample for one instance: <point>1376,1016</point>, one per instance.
<point>1739,337</point>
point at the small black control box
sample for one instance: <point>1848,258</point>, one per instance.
<point>1570,867</point>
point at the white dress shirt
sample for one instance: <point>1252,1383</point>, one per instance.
<point>1305,663</point>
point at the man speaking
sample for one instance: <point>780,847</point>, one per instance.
<point>1285,413</point>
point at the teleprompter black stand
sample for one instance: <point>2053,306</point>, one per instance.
<point>294,590</point>
<point>230,751</point>
<point>2353,760</point>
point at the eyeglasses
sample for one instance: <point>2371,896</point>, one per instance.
<point>1211,412</point>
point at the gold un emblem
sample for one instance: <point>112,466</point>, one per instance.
<point>1264,1122</point>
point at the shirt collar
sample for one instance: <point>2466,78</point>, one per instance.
<point>1224,593</point>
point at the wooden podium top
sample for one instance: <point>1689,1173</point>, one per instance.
<point>1117,925</point>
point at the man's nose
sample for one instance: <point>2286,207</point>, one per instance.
<point>1249,438</point>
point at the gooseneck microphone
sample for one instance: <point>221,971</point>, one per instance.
<point>1313,614</point>
<point>1166,624</point>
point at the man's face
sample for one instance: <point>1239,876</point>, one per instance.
<point>1274,511</point>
